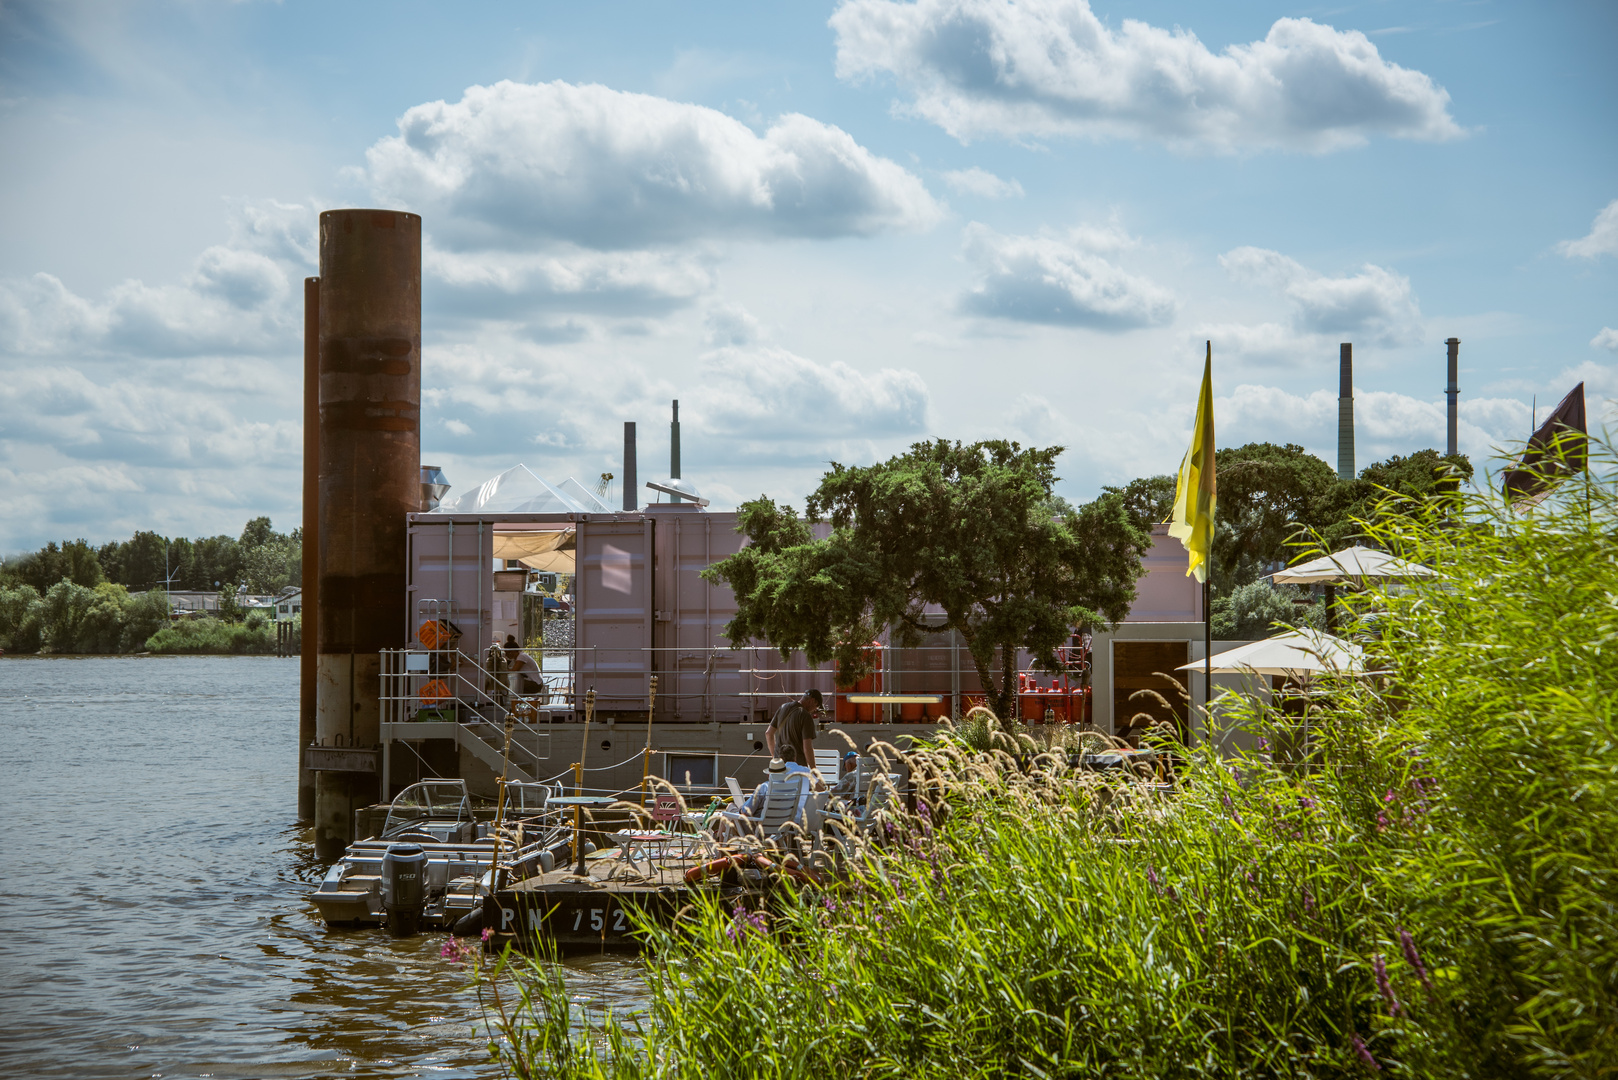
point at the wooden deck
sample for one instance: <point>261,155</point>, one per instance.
<point>575,911</point>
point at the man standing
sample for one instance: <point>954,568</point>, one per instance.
<point>791,734</point>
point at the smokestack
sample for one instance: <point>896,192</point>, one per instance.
<point>631,486</point>
<point>1345,412</point>
<point>674,448</point>
<point>1453,392</point>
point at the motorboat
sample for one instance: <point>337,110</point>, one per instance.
<point>434,818</point>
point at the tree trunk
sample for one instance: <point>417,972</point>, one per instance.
<point>1006,698</point>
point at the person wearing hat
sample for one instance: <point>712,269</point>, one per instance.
<point>791,734</point>
<point>778,772</point>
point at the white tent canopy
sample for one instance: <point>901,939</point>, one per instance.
<point>519,491</point>
<point>1355,565</point>
<point>1294,654</point>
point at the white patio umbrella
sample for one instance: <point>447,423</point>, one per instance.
<point>1296,655</point>
<point>1352,566</point>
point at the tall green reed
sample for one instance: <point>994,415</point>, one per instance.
<point>1430,893</point>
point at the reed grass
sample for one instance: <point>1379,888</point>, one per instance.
<point>1429,891</point>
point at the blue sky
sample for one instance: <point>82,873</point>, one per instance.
<point>829,230</point>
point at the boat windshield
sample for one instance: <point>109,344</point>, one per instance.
<point>429,799</point>
<point>526,798</point>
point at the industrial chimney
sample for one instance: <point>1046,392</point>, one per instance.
<point>674,448</point>
<point>1453,392</point>
<point>1345,413</point>
<point>631,486</point>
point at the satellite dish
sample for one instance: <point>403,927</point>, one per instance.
<point>674,487</point>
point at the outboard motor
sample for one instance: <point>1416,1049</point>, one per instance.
<point>404,887</point>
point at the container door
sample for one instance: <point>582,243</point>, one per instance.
<point>451,577</point>
<point>612,620</point>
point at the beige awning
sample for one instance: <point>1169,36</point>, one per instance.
<point>1294,654</point>
<point>1352,566</point>
<point>550,550</point>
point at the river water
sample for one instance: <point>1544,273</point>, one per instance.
<point>153,917</point>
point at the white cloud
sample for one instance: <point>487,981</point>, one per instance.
<point>1060,281</point>
<point>1265,343</point>
<point>1607,339</point>
<point>982,183</point>
<point>1374,306</point>
<point>565,277</point>
<point>767,393</point>
<point>513,163</point>
<point>1384,423</point>
<point>1602,240</point>
<point>1051,67</point>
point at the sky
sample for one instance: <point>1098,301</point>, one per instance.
<point>829,230</point>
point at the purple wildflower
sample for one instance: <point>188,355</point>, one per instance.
<point>488,932</point>
<point>1308,900</point>
<point>1151,877</point>
<point>1305,802</point>
<point>1389,796</point>
<point>1380,967</point>
<point>1364,1053</point>
<point>1413,958</point>
<point>1382,823</point>
<point>455,952</point>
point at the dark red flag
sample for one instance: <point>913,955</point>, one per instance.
<point>1560,448</point>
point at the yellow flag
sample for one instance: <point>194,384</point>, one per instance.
<point>1192,522</point>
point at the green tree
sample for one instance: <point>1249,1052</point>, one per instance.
<point>74,619</point>
<point>1251,611</point>
<point>257,533</point>
<point>961,528</point>
<point>143,561</point>
<point>1410,480</point>
<point>20,609</point>
<point>1148,500</point>
<point>1266,492</point>
<point>215,561</point>
<point>269,566</point>
<point>74,560</point>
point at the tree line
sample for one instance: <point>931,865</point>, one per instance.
<point>74,597</point>
<point>263,560</point>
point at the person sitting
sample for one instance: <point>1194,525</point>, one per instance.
<point>734,822</point>
<point>525,678</point>
<point>847,776</point>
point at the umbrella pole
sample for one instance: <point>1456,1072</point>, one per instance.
<point>1331,608</point>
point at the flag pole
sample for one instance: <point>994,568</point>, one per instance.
<point>1207,617</point>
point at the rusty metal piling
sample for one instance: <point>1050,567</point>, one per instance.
<point>370,478</point>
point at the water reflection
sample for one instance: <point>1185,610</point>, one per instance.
<point>155,920</point>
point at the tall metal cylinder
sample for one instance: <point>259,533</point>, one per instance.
<point>370,478</point>
<point>631,483</point>
<point>1345,412</point>
<point>307,658</point>
<point>1453,392</point>
<point>674,449</point>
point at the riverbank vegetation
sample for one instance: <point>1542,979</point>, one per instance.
<point>1432,891</point>
<point>108,618</point>
<point>261,559</point>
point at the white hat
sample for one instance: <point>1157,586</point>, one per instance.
<point>777,765</point>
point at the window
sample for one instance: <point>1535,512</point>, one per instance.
<point>703,769</point>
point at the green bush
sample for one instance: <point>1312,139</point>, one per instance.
<point>214,636</point>
<point>1434,892</point>
<point>19,619</point>
<point>1259,609</point>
